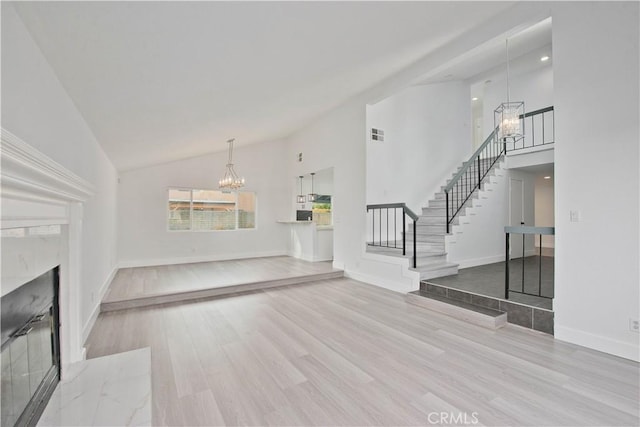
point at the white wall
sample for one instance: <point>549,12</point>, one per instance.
<point>544,216</point>
<point>595,56</point>
<point>142,208</point>
<point>427,136</point>
<point>479,238</point>
<point>534,88</point>
<point>337,140</point>
<point>36,108</point>
<point>334,141</point>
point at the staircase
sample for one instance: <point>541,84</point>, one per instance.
<point>442,212</point>
<point>425,238</point>
<point>432,230</point>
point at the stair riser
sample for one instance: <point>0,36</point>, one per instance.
<point>435,230</point>
<point>426,262</point>
<point>429,211</point>
<point>429,229</point>
<point>426,221</point>
<point>427,238</point>
<point>432,220</point>
<point>432,274</point>
<point>420,247</point>
<point>459,313</point>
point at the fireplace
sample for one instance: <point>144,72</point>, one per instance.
<point>38,192</point>
<point>30,349</point>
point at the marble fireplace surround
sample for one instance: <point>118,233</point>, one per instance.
<point>36,191</point>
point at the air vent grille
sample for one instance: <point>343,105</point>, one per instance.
<point>377,134</point>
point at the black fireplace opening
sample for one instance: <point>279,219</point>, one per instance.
<point>30,326</point>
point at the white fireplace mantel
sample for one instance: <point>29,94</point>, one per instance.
<point>36,191</point>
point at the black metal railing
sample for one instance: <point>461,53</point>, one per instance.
<point>535,273</point>
<point>540,129</point>
<point>470,176</point>
<point>390,216</point>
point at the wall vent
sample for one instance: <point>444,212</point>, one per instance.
<point>377,134</point>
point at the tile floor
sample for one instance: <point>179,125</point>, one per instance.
<point>489,280</point>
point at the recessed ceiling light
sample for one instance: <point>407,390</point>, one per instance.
<point>544,58</point>
<point>475,98</point>
<point>547,177</point>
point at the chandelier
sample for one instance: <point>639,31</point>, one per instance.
<point>301,198</point>
<point>312,196</point>
<point>509,116</point>
<point>231,180</point>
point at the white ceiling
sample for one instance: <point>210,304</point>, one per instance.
<point>488,60</point>
<point>161,81</point>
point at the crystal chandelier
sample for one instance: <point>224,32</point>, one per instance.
<point>230,181</point>
<point>509,116</point>
<point>312,196</point>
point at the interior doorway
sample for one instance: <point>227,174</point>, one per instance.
<point>516,216</point>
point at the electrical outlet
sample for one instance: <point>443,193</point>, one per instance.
<point>634,325</point>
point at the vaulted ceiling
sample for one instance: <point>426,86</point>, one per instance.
<point>161,81</point>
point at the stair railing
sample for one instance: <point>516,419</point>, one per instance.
<point>390,220</point>
<point>470,176</point>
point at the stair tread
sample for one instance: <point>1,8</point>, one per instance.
<point>421,254</point>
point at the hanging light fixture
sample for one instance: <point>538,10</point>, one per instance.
<point>230,181</point>
<point>301,197</point>
<point>509,116</point>
<point>312,196</point>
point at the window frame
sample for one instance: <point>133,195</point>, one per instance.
<point>190,229</point>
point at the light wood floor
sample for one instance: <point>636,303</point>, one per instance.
<point>131,283</point>
<point>340,352</point>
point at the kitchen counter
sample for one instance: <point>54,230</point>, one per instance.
<point>309,241</point>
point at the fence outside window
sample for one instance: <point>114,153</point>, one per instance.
<point>210,210</point>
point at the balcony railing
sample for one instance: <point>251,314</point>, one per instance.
<point>536,275</point>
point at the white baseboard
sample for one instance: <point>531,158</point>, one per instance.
<point>203,258</point>
<point>338,265</point>
<point>531,252</point>
<point>598,342</point>
<point>88,326</point>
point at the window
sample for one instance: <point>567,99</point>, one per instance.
<point>322,210</point>
<point>211,210</point>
